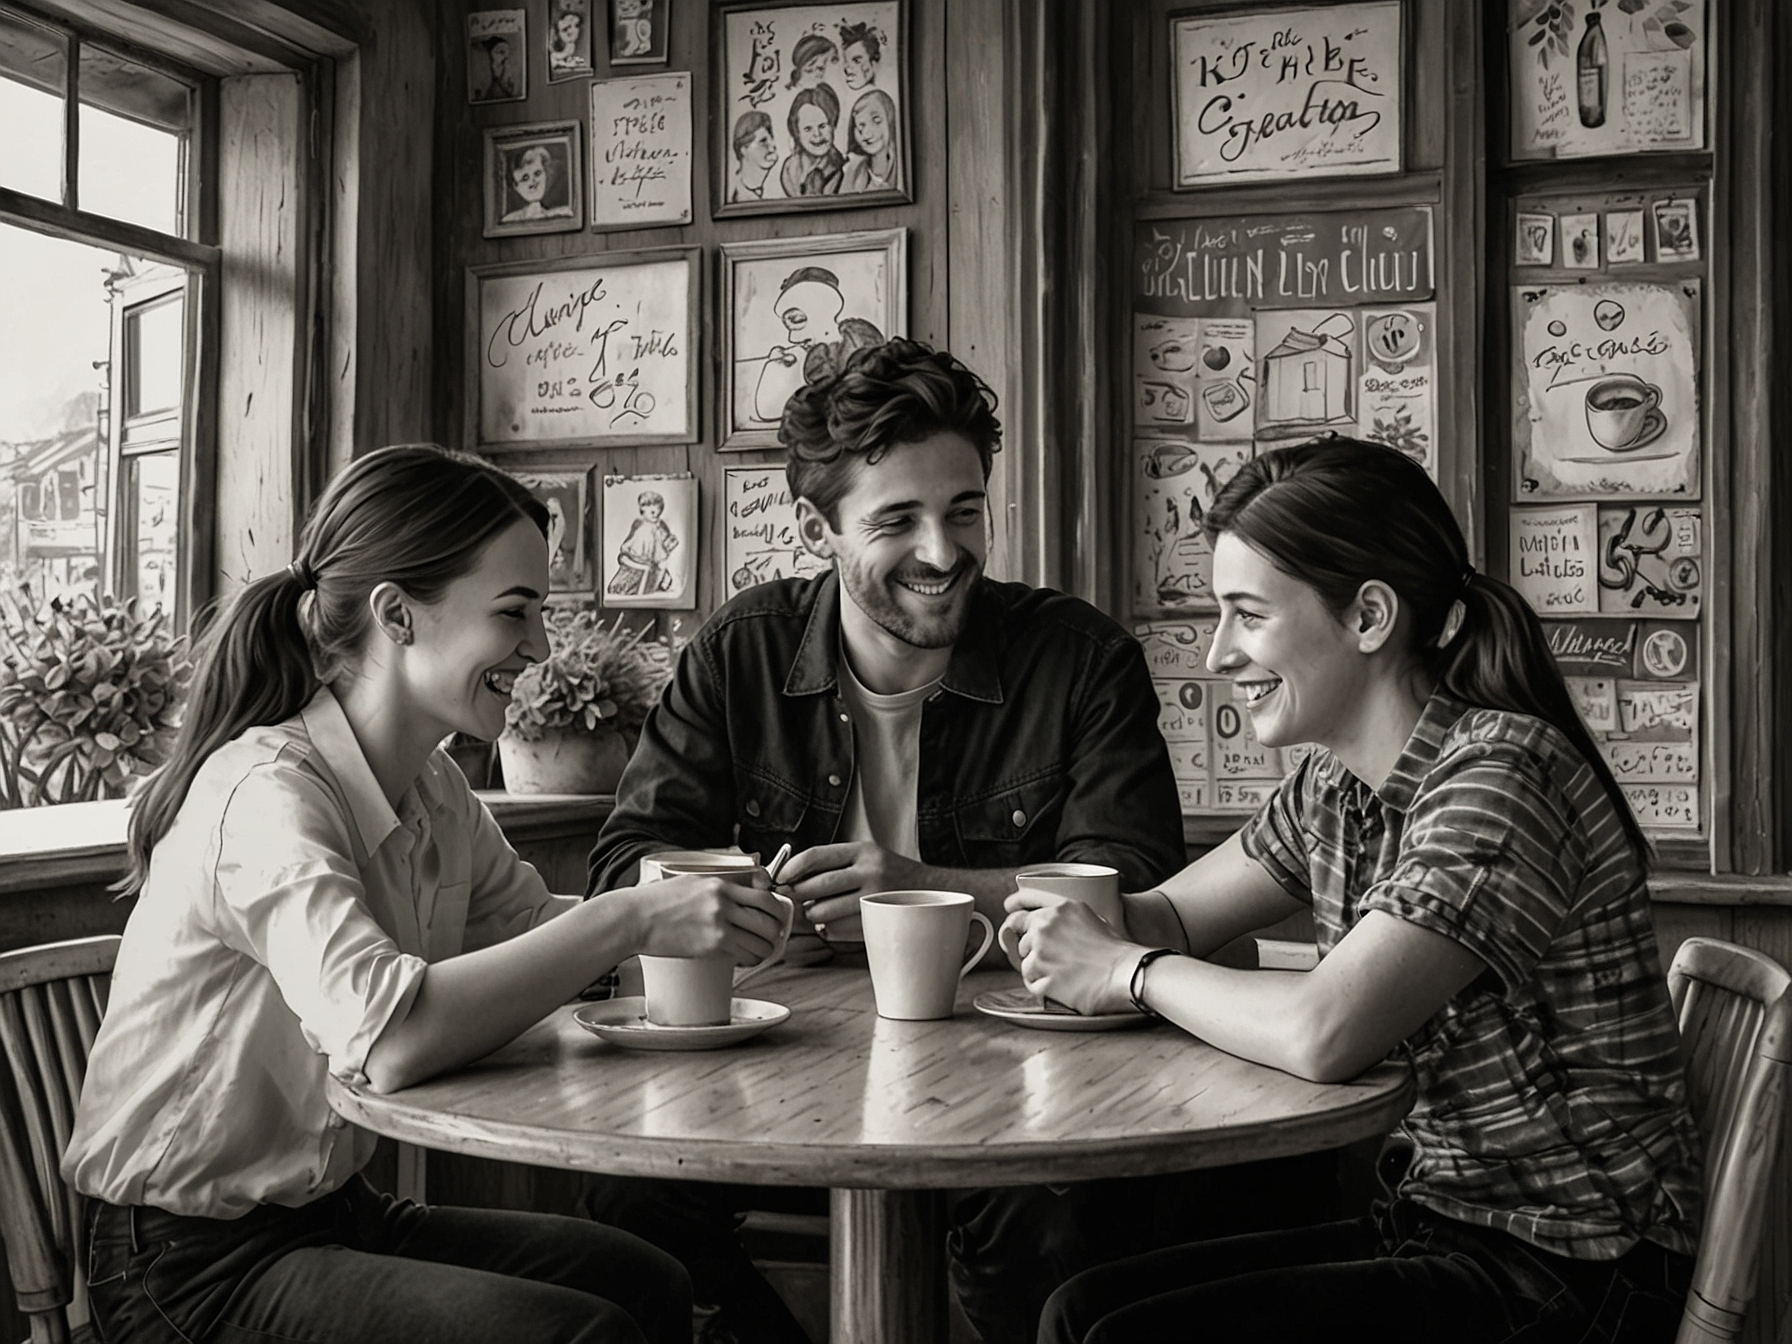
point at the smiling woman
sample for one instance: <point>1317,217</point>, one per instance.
<point>319,893</point>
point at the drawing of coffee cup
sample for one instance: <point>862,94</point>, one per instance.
<point>1622,412</point>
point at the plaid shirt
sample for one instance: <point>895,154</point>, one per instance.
<point>1551,1100</point>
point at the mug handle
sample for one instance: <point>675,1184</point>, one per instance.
<point>1653,398</point>
<point>742,974</point>
<point>989,936</point>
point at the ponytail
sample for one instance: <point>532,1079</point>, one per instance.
<point>1500,659</point>
<point>1338,512</point>
<point>413,515</point>
<point>253,668</point>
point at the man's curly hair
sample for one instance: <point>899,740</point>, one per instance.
<point>900,391</point>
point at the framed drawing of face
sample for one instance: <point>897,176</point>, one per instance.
<point>794,309</point>
<point>811,106</point>
<point>497,60</point>
<point>569,40</point>
<point>534,179</point>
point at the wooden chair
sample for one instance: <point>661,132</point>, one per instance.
<point>1735,1011</point>
<point>51,999</point>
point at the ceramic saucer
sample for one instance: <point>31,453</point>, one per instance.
<point>1021,1008</point>
<point>624,1022</point>
<point>1653,425</point>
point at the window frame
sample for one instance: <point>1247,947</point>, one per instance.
<point>194,252</point>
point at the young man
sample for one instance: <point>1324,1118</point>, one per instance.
<point>902,721</point>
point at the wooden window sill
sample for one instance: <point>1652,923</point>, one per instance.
<point>84,843</point>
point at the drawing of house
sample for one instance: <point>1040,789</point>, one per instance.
<point>1307,378</point>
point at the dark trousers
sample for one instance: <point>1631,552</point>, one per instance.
<point>357,1265</point>
<point>1402,1276</point>
<point>1006,1248</point>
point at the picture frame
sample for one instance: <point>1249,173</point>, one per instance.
<point>566,495</point>
<point>1328,79</point>
<point>594,350</point>
<point>497,56</point>
<point>640,31</point>
<point>567,44</point>
<point>812,111</point>
<point>793,309</point>
<point>534,179</point>
<point>651,541</point>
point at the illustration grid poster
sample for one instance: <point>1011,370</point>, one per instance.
<point>1595,78</point>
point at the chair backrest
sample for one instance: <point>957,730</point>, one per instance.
<point>51,1000</point>
<point>1735,1012</point>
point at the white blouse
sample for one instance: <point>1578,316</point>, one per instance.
<point>287,917</point>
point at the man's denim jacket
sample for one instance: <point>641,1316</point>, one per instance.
<point>1041,744</point>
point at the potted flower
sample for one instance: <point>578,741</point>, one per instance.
<point>574,717</point>
<point>90,698</point>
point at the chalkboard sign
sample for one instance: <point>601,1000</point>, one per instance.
<point>593,351</point>
<point>1287,93</point>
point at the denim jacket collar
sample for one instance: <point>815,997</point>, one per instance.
<point>973,672</point>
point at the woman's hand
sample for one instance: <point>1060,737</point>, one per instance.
<point>700,915</point>
<point>1066,953</point>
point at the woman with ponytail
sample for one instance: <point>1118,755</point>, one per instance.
<point>319,892</point>
<point>1476,881</point>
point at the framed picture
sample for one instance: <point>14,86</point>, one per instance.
<point>640,31</point>
<point>598,350</point>
<point>650,541</point>
<point>534,179</point>
<point>641,141</point>
<point>497,56</point>
<point>564,493</point>
<point>793,309</point>
<point>568,40</point>
<point>812,106</point>
<point>1277,94</point>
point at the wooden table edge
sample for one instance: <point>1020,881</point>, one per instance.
<point>879,1166</point>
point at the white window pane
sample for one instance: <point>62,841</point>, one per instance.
<point>155,501</point>
<point>153,339</point>
<point>134,126</point>
<point>31,145</point>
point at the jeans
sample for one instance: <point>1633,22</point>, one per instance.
<point>356,1265</point>
<point>1006,1248</point>
<point>1403,1276</point>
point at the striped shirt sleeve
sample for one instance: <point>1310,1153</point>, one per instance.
<point>1492,857</point>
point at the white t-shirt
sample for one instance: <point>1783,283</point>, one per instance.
<point>880,806</point>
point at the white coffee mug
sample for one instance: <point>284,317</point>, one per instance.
<point>913,942</point>
<point>688,991</point>
<point>691,862</point>
<point>1094,884</point>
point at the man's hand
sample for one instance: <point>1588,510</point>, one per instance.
<point>1064,951</point>
<point>827,881</point>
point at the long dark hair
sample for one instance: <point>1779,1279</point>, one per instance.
<point>415,515</point>
<point>1336,513</point>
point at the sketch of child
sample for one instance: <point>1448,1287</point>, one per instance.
<point>809,304</point>
<point>645,550</point>
<point>871,144</point>
<point>815,165</point>
<point>810,59</point>
<point>755,153</point>
<point>532,173</point>
<point>564,50</point>
<point>634,28</point>
<point>860,51</point>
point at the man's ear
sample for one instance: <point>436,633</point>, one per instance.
<point>391,610</point>
<point>813,527</point>
<point>1373,615</point>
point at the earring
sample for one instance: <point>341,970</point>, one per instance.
<point>402,635</point>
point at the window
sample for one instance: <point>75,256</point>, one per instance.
<point>99,393</point>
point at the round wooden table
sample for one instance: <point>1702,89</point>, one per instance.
<point>888,1114</point>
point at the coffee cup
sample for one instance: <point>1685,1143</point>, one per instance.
<point>742,867</point>
<point>914,942</point>
<point>1094,884</point>
<point>1618,410</point>
<point>688,991</point>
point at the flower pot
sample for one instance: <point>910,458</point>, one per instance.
<point>564,760</point>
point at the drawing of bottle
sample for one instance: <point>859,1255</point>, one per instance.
<point>1591,64</point>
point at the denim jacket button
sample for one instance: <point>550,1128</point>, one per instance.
<point>834,780</point>
<point>752,807</point>
<point>1020,819</point>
